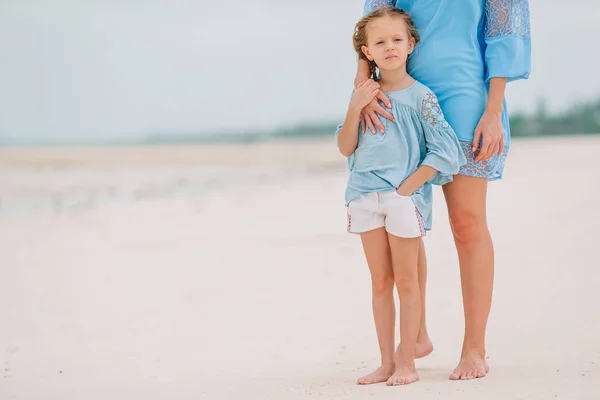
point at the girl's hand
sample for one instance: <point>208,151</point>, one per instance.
<point>403,191</point>
<point>364,94</point>
<point>489,131</point>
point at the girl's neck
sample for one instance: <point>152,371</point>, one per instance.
<point>398,79</point>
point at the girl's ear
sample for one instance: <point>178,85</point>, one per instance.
<point>411,47</point>
<point>367,53</point>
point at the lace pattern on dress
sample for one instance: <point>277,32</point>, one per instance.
<point>491,169</point>
<point>371,5</point>
<point>431,112</point>
<point>507,17</point>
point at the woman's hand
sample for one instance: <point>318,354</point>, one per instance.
<point>489,131</point>
<point>368,116</point>
<point>364,94</point>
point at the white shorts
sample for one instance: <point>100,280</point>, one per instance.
<point>398,214</point>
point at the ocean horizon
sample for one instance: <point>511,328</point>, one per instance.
<point>175,138</point>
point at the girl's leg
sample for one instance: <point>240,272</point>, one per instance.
<point>377,251</point>
<point>466,200</point>
<point>406,276</point>
<point>424,345</point>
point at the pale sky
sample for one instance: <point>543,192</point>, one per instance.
<point>124,68</point>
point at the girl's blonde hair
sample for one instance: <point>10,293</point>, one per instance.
<point>359,38</point>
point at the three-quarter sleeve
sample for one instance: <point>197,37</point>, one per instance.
<point>444,153</point>
<point>507,39</point>
<point>337,134</point>
<point>371,5</point>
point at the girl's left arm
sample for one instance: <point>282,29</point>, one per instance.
<point>416,180</point>
<point>507,58</point>
<point>444,155</point>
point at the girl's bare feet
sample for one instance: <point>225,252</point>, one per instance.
<point>404,375</point>
<point>472,365</point>
<point>424,347</point>
<point>405,372</point>
<point>381,374</point>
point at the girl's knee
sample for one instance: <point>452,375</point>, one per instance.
<point>407,284</point>
<point>382,284</point>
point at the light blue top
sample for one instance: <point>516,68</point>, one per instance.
<point>464,43</point>
<point>420,136</point>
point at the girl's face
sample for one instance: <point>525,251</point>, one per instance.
<point>388,43</point>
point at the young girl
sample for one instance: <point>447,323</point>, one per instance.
<point>389,192</point>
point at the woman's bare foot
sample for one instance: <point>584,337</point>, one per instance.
<point>472,365</point>
<point>424,347</point>
<point>404,375</point>
<point>381,374</point>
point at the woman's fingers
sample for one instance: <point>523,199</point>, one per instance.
<point>363,122</point>
<point>365,83</point>
<point>486,149</point>
<point>493,151</point>
<point>370,123</point>
<point>501,146</point>
<point>476,139</point>
<point>370,83</point>
<point>384,99</point>
<point>376,121</point>
<point>384,113</point>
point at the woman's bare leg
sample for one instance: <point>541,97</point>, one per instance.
<point>377,251</point>
<point>466,200</point>
<point>405,253</point>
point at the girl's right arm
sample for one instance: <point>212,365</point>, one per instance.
<point>348,134</point>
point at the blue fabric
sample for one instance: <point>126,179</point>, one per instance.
<point>464,44</point>
<point>420,136</point>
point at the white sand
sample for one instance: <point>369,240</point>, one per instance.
<point>255,291</point>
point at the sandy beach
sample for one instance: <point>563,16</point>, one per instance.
<point>225,272</point>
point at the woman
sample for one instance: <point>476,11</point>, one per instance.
<point>470,50</point>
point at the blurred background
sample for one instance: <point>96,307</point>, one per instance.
<point>197,72</point>
<point>157,71</point>
<point>171,206</point>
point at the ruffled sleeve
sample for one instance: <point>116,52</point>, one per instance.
<point>337,134</point>
<point>444,153</point>
<point>507,39</point>
<point>371,5</point>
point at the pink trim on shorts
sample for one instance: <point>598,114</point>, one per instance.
<point>349,217</point>
<point>421,222</point>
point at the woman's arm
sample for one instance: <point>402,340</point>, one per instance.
<point>362,73</point>
<point>489,130</point>
<point>507,34</point>
<point>348,134</point>
<point>369,117</point>
<point>507,58</point>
